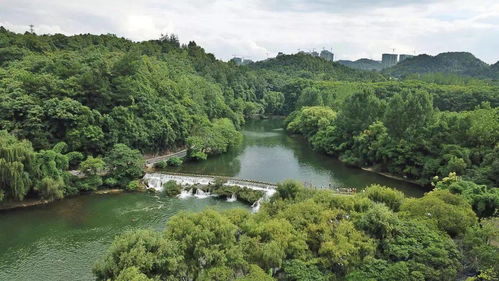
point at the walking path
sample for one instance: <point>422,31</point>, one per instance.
<point>151,161</point>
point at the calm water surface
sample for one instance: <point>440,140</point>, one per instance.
<point>62,240</point>
<point>269,154</point>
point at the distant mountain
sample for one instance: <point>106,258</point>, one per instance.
<point>308,66</point>
<point>494,70</point>
<point>461,63</point>
<point>363,64</point>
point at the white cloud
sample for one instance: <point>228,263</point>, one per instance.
<point>253,28</point>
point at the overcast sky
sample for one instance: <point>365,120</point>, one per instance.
<point>259,28</point>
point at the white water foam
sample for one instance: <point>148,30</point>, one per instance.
<point>233,198</point>
<point>157,180</point>
<point>185,193</point>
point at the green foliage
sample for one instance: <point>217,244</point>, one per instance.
<point>379,222</point>
<point>124,164</point>
<point>396,129</point>
<point>132,273</point>
<point>311,235</point>
<point>248,195</point>
<point>92,169</point>
<point>392,198</point>
<point>309,120</point>
<point>96,91</point>
<point>174,161</point>
<point>450,213</point>
<point>289,189</point>
<point>452,62</point>
<point>171,188</point>
<point>408,249</point>
<point>16,164</point>
<point>141,250</point>
<point>160,165</point>
<point>274,102</point>
<point>483,200</point>
<point>23,170</point>
<point>297,270</point>
<point>104,95</point>
<point>50,188</point>
<point>217,137</point>
<point>134,185</point>
<point>307,66</point>
<point>255,274</point>
<point>481,255</point>
<point>206,240</point>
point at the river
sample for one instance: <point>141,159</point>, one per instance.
<point>62,240</point>
<point>269,154</point>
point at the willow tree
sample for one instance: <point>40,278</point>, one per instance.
<point>16,165</point>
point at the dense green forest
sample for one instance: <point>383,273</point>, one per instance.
<point>405,134</point>
<point>90,93</point>
<point>78,113</point>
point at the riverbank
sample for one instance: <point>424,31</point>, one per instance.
<point>391,176</point>
<point>149,160</point>
<point>38,202</point>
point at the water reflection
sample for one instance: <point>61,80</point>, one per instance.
<point>269,154</point>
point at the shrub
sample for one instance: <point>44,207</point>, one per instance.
<point>171,188</point>
<point>174,162</point>
<point>289,189</point>
<point>134,185</point>
<point>390,197</point>
<point>225,190</point>
<point>160,165</point>
<point>451,213</point>
<point>248,195</point>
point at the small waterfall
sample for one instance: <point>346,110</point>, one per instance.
<point>201,194</point>
<point>256,206</point>
<point>185,193</point>
<point>233,198</point>
<point>157,180</point>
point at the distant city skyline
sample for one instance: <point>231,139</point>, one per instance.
<point>257,29</point>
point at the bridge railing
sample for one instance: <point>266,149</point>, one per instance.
<point>265,184</point>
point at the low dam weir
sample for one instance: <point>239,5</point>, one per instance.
<point>157,180</point>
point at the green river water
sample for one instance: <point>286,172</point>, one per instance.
<point>62,240</point>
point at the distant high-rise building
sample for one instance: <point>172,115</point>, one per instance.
<point>247,61</point>
<point>389,59</point>
<point>241,61</point>
<point>237,61</point>
<point>327,55</point>
<point>404,57</point>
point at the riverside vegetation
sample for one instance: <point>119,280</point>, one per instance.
<point>304,234</point>
<point>98,103</point>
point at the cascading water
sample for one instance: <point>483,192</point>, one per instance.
<point>201,194</point>
<point>156,181</point>
<point>233,198</point>
<point>256,206</point>
<point>185,193</point>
